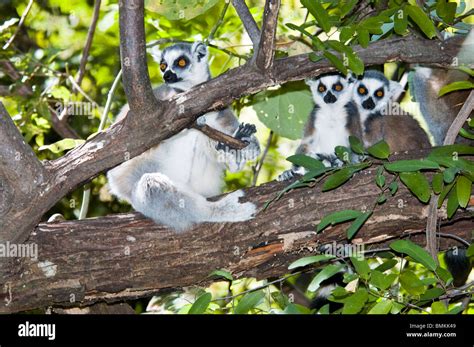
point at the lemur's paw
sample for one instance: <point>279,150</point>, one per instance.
<point>286,176</point>
<point>245,130</point>
<point>244,212</point>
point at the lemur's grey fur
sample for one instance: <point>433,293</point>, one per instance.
<point>170,182</point>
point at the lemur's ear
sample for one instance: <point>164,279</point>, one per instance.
<point>351,78</point>
<point>309,81</point>
<point>155,52</point>
<point>199,50</point>
<point>395,90</point>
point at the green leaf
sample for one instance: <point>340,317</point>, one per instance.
<point>337,217</point>
<point>356,145</point>
<point>343,153</point>
<point>414,251</point>
<point>306,162</point>
<point>285,110</point>
<point>336,61</point>
<point>450,174</point>
<point>357,224</point>
<point>432,293</point>
<point>361,266</point>
<point>446,10</point>
<point>470,251</point>
<point>411,283</point>
<point>393,188</point>
<point>364,37</point>
<point>452,151</point>
<point>380,150</point>
<point>463,189</point>
<point>382,307</point>
<point>456,310</point>
<point>62,145</point>
<point>422,20</point>
<point>249,301</point>
<point>382,281</point>
<point>341,176</point>
<point>222,273</point>
<point>444,193</point>
<point>354,303</point>
<point>438,307</point>
<point>324,274</point>
<point>296,309</point>
<point>380,178</point>
<point>309,260</point>
<point>464,133</point>
<point>458,85</point>
<point>180,9</point>
<point>346,33</point>
<point>386,265</point>
<point>453,203</point>
<point>201,304</point>
<point>417,183</point>
<point>445,275</point>
<point>319,13</point>
<point>411,165</point>
<point>437,183</point>
<point>400,22</point>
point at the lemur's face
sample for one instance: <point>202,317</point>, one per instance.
<point>332,89</point>
<point>373,92</point>
<point>183,65</point>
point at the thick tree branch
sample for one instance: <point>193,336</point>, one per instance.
<point>126,256</point>
<point>20,173</point>
<point>266,47</point>
<point>247,20</point>
<point>136,80</point>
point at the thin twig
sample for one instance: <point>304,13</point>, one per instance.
<point>453,131</point>
<point>87,47</point>
<point>20,24</point>
<point>247,20</point>
<point>266,47</point>
<point>218,23</point>
<point>259,165</point>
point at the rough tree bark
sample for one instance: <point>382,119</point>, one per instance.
<point>127,256</point>
<point>89,260</point>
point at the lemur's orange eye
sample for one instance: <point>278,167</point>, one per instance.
<point>321,88</point>
<point>163,66</point>
<point>338,87</point>
<point>362,90</point>
<point>182,63</point>
<point>379,93</point>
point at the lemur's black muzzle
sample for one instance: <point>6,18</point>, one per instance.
<point>170,77</point>
<point>329,98</point>
<point>368,104</point>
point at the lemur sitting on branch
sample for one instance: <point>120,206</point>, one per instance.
<point>170,182</point>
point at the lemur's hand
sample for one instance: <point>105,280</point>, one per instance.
<point>244,132</point>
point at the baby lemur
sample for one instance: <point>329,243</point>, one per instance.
<point>333,119</point>
<point>170,182</point>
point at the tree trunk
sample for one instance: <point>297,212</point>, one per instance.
<point>126,256</point>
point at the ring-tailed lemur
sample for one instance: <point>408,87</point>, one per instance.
<point>169,183</point>
<point>332,121</point>
<point>374,95</point>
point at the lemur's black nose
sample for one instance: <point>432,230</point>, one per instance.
<point>368,104</point>
<point>329,98</point>
<point>170,77</point>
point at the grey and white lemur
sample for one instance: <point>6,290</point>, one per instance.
<point>373,96</point>
<point>332,121</point>
<point>170,182</point>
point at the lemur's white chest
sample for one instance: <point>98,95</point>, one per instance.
<point>330,130</point>
<point>189,160</point>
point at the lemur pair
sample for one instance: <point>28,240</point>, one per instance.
<point>357,107</point>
